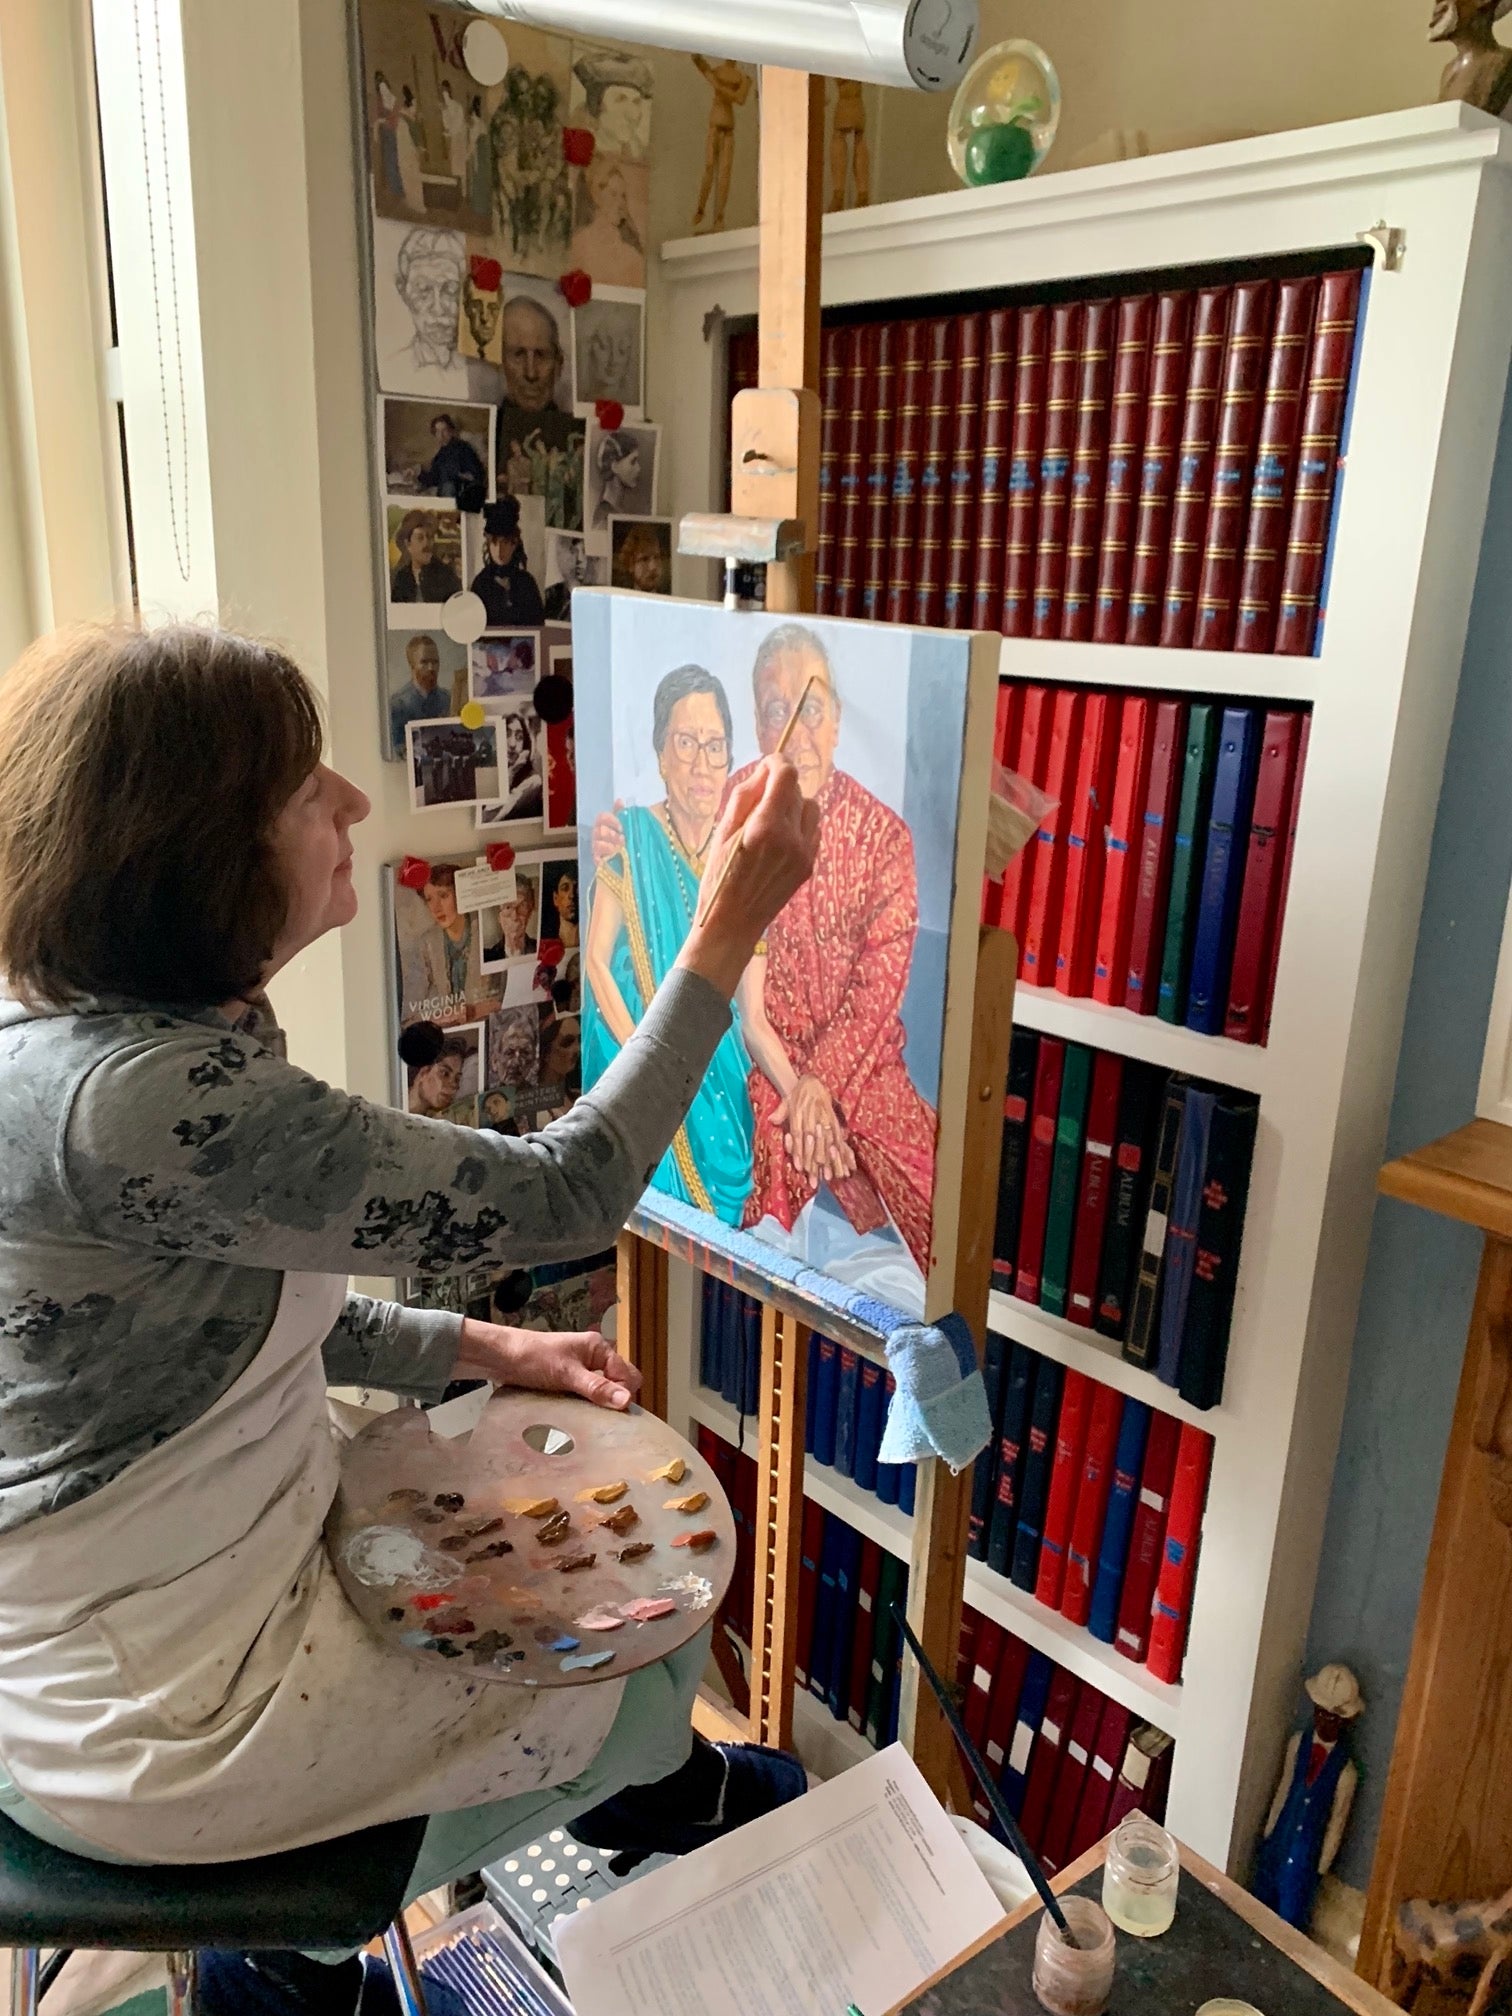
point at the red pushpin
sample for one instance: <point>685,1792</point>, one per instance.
<point>413,872</point>
<point>551,953</point>
<point>576,287</point>
<point>500,856</point>
<point>610,415</point>
<point>577,146</point>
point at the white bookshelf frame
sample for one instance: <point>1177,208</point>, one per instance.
<point>1434,361</point>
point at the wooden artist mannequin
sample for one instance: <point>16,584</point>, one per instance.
<point>849,127</point>
<point>1481,71</point>
<point>731,84</point>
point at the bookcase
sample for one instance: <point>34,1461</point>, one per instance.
<point>1429,191</point>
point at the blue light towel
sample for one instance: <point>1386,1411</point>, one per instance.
<point>940,1407</point>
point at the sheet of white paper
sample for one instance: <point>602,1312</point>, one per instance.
<point>520,989</point>
<point>481,887</point>
<point>859,1892</point>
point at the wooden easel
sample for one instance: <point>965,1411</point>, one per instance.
<point>775,476</point>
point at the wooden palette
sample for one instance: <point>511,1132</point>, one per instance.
<point>444,1549</point>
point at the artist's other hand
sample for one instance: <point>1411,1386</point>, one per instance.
<point>816,1137</point>
<point>608,837</point>
<point>776,858</point>
<point>546,1361</point>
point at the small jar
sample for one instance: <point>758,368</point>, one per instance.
<point>1074,1980</point>
<point>1140,1876</point>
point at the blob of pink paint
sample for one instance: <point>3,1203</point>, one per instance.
<point>601,1620</point>
<point>646,1608</point>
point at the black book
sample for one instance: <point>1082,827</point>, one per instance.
<point>1039,1460</point>
<point>994,1378</point>
<point>1013,1450</point>
<point>1142,1344</point>
<point>1023,1052</point>
<point>1220,1230</point>
<point>1139,1103</point>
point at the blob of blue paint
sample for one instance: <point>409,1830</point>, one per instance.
<point>583,1661</point>
<point>565,1644</point>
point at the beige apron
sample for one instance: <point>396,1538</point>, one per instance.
<point>182,1679</point>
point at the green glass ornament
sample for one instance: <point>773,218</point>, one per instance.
<point>999,154</point>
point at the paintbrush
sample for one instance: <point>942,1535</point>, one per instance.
<point>734,854</point>
<point>1000,1807</point>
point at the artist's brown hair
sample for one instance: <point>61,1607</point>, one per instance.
<point>141,772</point>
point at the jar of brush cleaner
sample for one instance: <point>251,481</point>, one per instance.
<point>1074,1980</point>
<point>1140,1876</point>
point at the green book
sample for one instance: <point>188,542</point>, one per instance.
<point>890,1586</point>
<point>1186,859</point>
<point>1070,1134</point>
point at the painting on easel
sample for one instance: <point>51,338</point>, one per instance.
<point>815,1147</point>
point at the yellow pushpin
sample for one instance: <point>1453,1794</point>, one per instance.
<point>472,715</point>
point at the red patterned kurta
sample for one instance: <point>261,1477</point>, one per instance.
<point>838,960</point>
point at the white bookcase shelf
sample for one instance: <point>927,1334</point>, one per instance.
<point>1434,360</point>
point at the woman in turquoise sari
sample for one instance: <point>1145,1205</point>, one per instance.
<point>643,904</point>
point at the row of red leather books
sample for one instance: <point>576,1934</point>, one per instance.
<point>1156,468</point>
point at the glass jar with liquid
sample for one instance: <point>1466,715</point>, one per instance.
<point>1074,1980</point>
<point>1140,1876</point>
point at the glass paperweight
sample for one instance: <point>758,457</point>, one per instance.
<point>1003,121</point>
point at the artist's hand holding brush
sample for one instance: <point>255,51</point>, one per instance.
<point>543,1361</point>
<point>761,854</point>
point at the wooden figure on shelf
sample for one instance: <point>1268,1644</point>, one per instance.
<point>1481,72</point>
<point>1451,1946</point>
<point>731,84</point>
<point>1313,1800</point>
<point>850,157</point>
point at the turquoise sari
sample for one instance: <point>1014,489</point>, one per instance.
<point>709,1162</point>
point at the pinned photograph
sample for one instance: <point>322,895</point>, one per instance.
<point>447,1088</point>
<point>507,579</point>
<point>424,561</point>
<point>609,350</point>
<point>520,793</point>
<point>505,667</point>
<point>419,274</point>
<point>561,1066</point>
<point>514,1047</point>
<point>532,191</point>
<point>561,759</point>
<point>511,931</point>
<point>438,949</point>
<point>612,95</point>
<point>621,478</point>
<point>559,902</point>
<point>452,764</point>
<point>640,554</point>
<point>611,212</point>
<point>430,125</point>
<point>482,308</point>
<point>430,450</point>
<point>570,565</point>
<point>427,681</point>
<point>539,439</point>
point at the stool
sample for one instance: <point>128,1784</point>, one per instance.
<point>333,1894</point>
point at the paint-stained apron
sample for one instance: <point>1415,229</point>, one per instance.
<point>182,1679</point>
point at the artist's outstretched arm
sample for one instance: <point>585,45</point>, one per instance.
<point>418,1352</point>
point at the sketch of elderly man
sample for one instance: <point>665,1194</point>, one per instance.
<point>429,273</point>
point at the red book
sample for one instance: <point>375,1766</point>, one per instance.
<point>1144,1781</point>
<point>1260,898</point>
<point>1152,876</point>
<point>833,369</point>
<point>1159,466</point>
<point>861,1642</point>
<point>963,476</point>
<point>1110,970</point>
<point>1269,994</point>
<point>810,1547</point>
<point>1002,1709</point>
<point>1091,801</point>
<point>908,457</point>
<point>1046,868</point>
<point>1328,376</point>
<point>855,447</point>
<point>1063,384</point>
<point>1048,1066</point>
<point>1049,1746</point>
<point>990,1640</point>
<point>1194,477</point>
<point>1096,1183</point>
<point>1010,709</point>
<point>880,550</point>
<point>992,481</point>
<point>1244,367</point>
<point>1126,433</point>
<point>1275,466</point>
<point>1089,471</point>
<point>1065,1474</point>
<point>1147,1538</point>
<point>965,1651</point>
<point>1178,1557</point>
<point>1071,1779</point>
<point>1024,470</point>
<point>934,471</point>
<point>1030,758</point>
<point>1091,1503</point>
<point>1097,1793</point>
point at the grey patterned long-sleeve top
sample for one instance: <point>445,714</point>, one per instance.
<point>160,1173</point>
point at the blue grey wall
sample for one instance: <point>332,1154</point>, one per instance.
<point>1420,1278</point>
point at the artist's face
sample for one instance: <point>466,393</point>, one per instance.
<point>425,664</point>
<point>532,356</point>
<point>433,295</point>
<point>501,548</point>
<point>420,546</point>
<point>312,845</point>
<point>811,746</point>
<point>441,901</point>
<point>482,312</point>
<point>566,899</point>
<point>695,759</point>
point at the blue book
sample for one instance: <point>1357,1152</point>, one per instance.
<point>842,1642</point>
<point>1118,1523</point>
<point>845,1411</point>
<point>1223,864</point>
<point>811,1397</point>
<point>995,1379</point>
<point>750,1323</point>
<point>1013,1451</point>
<point>889,1477</point>
<point>708,1336</point>
<point>1033,1695</point>
<point>730,1336</point>
<point>826,1400</point>
<point>869,1423</point>
<point>1181,1229</point>
<point>908,1484</point>
<point>823,1646</point>
<point>1044,1415</point>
